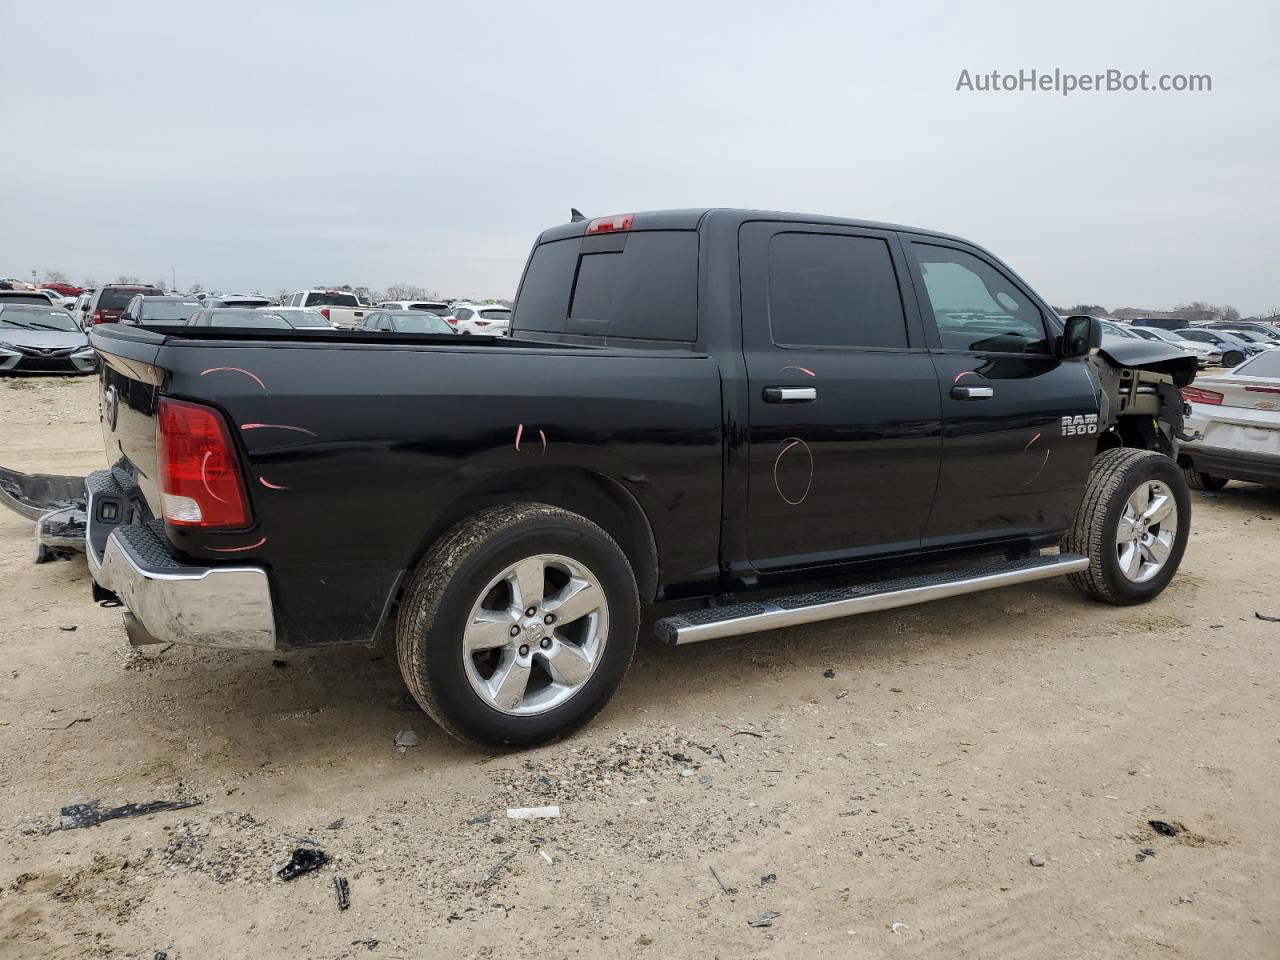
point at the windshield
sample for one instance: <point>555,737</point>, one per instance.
<point>331,299</point>
<point>23,317</point>
<point>1251,335</point>
<point>171,311</point>
<point>420,321</point>
<point>246,318</point>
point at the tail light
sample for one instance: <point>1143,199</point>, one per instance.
<point>1196,395</point>
<point>451,321</point>
<point>1262,389</point>
<point>481,323</point>
<point>324,312</point>
<point>97,316</point>
<point>200,480</point>
<point>610,224</point>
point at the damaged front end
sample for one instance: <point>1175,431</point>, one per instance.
<point>56,504</point>
<point>1140,404</point>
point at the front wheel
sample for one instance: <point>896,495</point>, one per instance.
<point>1232,358</point>
<point>519,625</point>
<point>1132,524</point>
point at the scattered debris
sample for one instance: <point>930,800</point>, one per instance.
<point>686,772</point>
<point>895,689</point>
<point>337,824</point>
<point>1036,860</point>
<point>88,815</point>
<point>533,813</point>
<point>679,758</point>
<point>546,856</point>
<point>403,702</point>
<point>1146,852</point>
<point>765,919</point>
<point>304,860</point>
<point>497,869</point>
<point>344,891</point>
<point>747,733</point>
<point>1183,898</point>
<point>483,818</point>
<point>728,891</point>
<point>371,944</point>
<point>69,724</point>
<point>768,878</point>
<point>69,627</point>
<point>829,673</point>
<point>1263,616</point>
<point>407,738</point>
<point>644,940</point>
<point>160,955</point>
<point>842,694</point>
<point>899,927</point>
<point>1165,829</point>
<point>279,664</point>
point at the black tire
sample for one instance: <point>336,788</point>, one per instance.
<point>1116,473</point>
<point>1232,358</point>
<point>449,581</point>
<point>1199,480</point>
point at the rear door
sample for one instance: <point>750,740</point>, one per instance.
<point>845,417</point>
<point>1021,423</point>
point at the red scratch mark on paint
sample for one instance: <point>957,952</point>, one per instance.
<point>252,546</point>
<point>272,486</point>
<point>792,442</point>
<point>966,373</point>
<point>1030,442</point>
<point>544,441</point>
<point>519,434</point>
<point>1041,470</point>
<point>805,370</point>
<point>204,477</point>
<point>251,376</point>
<point>275,426</point>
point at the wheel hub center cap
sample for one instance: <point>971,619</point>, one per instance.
<point>534,630</point>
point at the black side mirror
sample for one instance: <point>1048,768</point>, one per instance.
<point>1080,336</point>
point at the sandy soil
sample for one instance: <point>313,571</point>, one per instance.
<point>889,809</point>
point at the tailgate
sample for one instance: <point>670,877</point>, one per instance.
<point>129,388</point>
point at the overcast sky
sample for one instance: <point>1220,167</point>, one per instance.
<point>275,146</point>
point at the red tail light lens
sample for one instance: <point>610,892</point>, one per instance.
<point>324,312</point>
<point>1262,389</point>
<point>97,316</point>
<point>1196,395</point>
<point>610,224</point>
<point>451,321</point>
<point>200,480</point>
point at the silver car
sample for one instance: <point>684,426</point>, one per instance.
<point>1237,416</point>
<point>42,339</point>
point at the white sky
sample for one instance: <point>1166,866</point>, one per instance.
<point>270,146</point>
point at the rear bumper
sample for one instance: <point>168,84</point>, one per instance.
<point>1233,464</point>
<point>175,602</point>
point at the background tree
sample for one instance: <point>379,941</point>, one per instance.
<point>196,288</point>
<point>89,283</point>
<point>54,276</point>
<point>125,278</point>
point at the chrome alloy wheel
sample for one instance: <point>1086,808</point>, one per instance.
<point>1147,531</point>
<point>535,635</point>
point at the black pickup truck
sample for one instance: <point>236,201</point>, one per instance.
<point>743,419</point>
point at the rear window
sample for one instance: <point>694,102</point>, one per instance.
<point>25,298</point>
<point>1263,365</point>
<point>171,311</point>
<point>118,299</point>
<point>647,289</point>
<point>495,314</point>
<point>437,308</point>
<point>246,318</point>
<point>331,300</point>
<point>302,318</point>
<point>420,321</point>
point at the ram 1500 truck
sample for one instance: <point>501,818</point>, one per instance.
<point>746,420</point>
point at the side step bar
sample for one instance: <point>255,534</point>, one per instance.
<point>736,619</point>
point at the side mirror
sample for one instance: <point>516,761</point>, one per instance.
<point>1081,335</point>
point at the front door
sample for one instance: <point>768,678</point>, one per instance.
<point>1021,423</point>
<point>845,416</point>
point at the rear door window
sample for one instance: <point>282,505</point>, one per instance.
<point>828,290</point>
<point>641,285</point>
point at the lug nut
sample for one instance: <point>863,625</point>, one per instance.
<point>531,611</point>
<point>515,630</point>
<point>549,619</point>
<point>546,643</point>
<point>524,650</point>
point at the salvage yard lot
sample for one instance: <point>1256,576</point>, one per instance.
<point>881,783</point>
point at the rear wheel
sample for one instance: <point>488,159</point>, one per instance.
<point>1199,480</point>
<point>1232,358</point>
<point>519,625</point>
<point>1132,524</point>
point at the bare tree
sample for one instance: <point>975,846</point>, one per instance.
<point>89,283</point>
<point>125,278</point>
<point>54,276</point>
<point>1229,313</point>
<point>406,291</point>
<point>196,288</point>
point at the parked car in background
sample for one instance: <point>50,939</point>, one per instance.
<point>341,307</point>
<point>66,289</point>
<point>81,305</point>
<point>1234,350</point>
<point>42,338</point>
<point>238,317</point>
<point>1257,339</point>
<point>1237,414</point>
<point>1204,353</point>
<point>110,299</point>
<point>38,297</point>
<point>302,317</point>
<point>1164,323</point>
<point>57,298</point>
<point>156,311</point>
<point>1254,326</point>
<point>405,321</point>
<point>247,300</point>
<point>484,319</point>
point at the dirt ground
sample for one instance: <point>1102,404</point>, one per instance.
<point>884,784</point>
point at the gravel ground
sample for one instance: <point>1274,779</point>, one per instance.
<point>973,778</point>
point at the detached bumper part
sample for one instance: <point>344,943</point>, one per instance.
<point>174,602</point>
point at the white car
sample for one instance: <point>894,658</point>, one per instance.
<point>485,319</point>
<point>1204,353</point>
<point>1237,416</point>
<point>310,317</point>
<point>342,308</point>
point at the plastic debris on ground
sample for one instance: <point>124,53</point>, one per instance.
<point>898,927</point>
<point>303,860</point>
<point>764,919</point>
<point>1164,828</point>
<point>343,890</point>
<point>1143,854</point>
<point>1269,619</point>
<point>337,824</point>
<point>407,738</point>
<point>88,815</point>
<point>533,813</point>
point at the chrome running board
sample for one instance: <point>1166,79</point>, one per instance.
<point>734,619</point>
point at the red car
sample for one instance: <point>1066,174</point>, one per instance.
<point>66,289</point>
<point>110,299</point>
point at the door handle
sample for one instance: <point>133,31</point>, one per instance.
<point>790,394</point>
<point>972,393</point>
